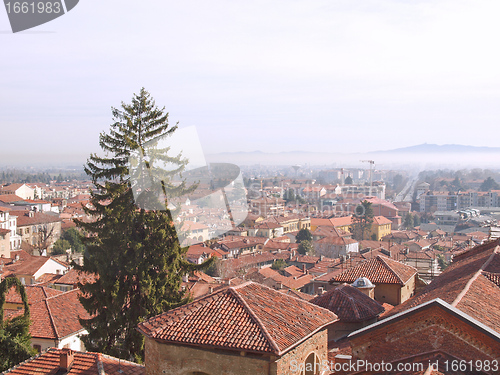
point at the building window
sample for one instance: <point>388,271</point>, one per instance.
<point>311,367</point>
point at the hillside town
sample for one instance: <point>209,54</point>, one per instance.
<point>307,284</point>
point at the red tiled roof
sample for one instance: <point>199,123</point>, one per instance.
<point>293,271</point>
<point>58,316</point>
<point>47,278</point>
<point>349,304</point>
<point>23,218</point>
<point>297,294</point>
<point>469,283</point>
<point>381,220</point>
<point>9,198</point>
<point>73,277</point>
<point>248,317</point>
<point>28,264</point>
<point>83,364</point>
<point>379,270</point>
<point>341,221</point>
<point>34,293</point>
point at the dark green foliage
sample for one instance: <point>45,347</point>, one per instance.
<point>306,248</point>
<point>442,262</point>
<point>74,238</point>
<point>408,222</point>
<point>15,339</point>
<point>303,235</point>
<point>290,196</point>
<point>60,246</point>
<point>134,252</point>
<point>362,220</point>
<point>489,184</point>
<point>416,220</point>
<point>279,264</point>
<point>216,268</point>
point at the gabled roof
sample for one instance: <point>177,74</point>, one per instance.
<point>58,316</point>
<point>83,364</point>
<point>435,302</point>
<point>381,220</point>
<point>248,317</point>
<point>469,284</point>
<point>27,264</point>
<point>349,304</point>
<point>379,270</point>
<point>23,218</point>
<point>34,293</point>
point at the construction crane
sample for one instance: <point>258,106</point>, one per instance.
<point>371,173</point>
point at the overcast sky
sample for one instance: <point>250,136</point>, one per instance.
<point>288,75</point>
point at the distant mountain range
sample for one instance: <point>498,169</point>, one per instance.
<point>421,156</point>
<point>426,148</point>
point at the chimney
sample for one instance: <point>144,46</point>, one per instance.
<point>304,268</point>
<point>185,278</point>
<point>321,290</point>
<point>211,289</point>
<point>66,359</point>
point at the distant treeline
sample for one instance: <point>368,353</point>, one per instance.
<point>20,176</point>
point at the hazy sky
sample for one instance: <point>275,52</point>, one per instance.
<point>286,75</point>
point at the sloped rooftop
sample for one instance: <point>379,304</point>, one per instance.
<point>83,364</point>
<point>249,317</point>
<point>470,283</point>
<point>380,270</point>
<point>349,304</point>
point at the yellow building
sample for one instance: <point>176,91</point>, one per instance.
<point>381,227</point>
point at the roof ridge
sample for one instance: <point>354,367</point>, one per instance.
<point>198,303</point>
<point>267,335</point>
<point>62,293</point>
<point>51,319</point>
<point>380,257</point>
<point>100,365</point>
<point>474,277</point>
<point>351,300</point>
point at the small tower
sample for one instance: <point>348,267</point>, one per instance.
<point>365,286</point>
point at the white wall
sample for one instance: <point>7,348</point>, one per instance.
<point>51,266</point>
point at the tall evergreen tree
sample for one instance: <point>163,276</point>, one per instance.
<point>15,339</point>
<point>362,220</point>
<point>134,252</point>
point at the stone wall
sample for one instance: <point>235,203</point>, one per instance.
<point>162,358</point>
<point>430,330</point>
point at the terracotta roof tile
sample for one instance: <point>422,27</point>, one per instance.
<point>72,277</point>
<point>23,218</point>
<point>248,317</point>
<point>9,198</point>
<point>470,283</point>
<point>35,294</point>
<point>379,270</point>
<point>349,304</point>
<point>83,364</point>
